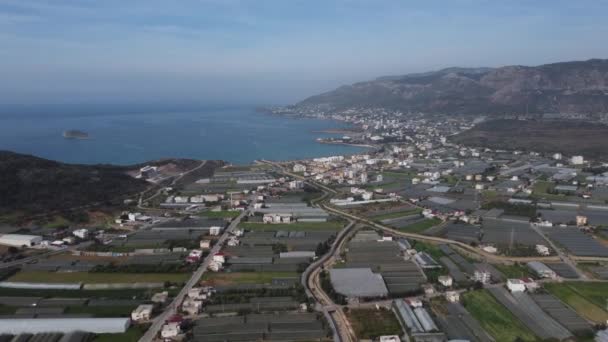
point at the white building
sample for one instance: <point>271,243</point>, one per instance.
<point>452,296</point>
<point>542,250</point>
<point>215,230</point>
<point>20,240</point>
<point>142,313</point>
<point>483,277</point>
<point>205,244</point>
<point>81,233</point>
<point>516,285</point>
<point>299,168</point>
<point>160,297</point>
<point>541,269</point>
<point>445,280</point>
<point>171,330</point>
<point>577,160</point>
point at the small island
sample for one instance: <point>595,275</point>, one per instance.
<point>75,134</point>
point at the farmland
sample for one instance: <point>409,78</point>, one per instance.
<point>398,214</point>
<point>370,323</point>
<point>587,299</point>
<point>421,226</point>
<point>298,226</point>
<point>245,277</point>
<point>495,318</point>
<point>220,214</point>
<point>97,278</point>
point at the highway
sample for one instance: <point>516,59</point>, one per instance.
<point>311,281</point>
<point>172,308</point>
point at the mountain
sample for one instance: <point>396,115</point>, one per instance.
<point>568,87</point>
<point>33,185</point>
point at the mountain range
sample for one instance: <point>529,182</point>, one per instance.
<point>566,87</point>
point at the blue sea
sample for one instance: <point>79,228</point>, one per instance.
<point>235,134</point>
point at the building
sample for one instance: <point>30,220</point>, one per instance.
<point>452,296</point>
<point>541,269</point>
<point>445,280</point>
<point>542,250</point>
<point>142,313</point>
<point>516,285</point>
<point>81,233</point>
<point>160,297</point>
<point>390,338</point>
<point>215,230</point>
<point>205,244</point>
<point>299,168</point>
<point>171,330</point>
<point>483,277</point>
<point>581,220</point>
<point>577,160</point>
<point>20,240</point>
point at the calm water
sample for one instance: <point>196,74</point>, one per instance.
<point>238,135</point>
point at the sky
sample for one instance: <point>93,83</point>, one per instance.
<point>270,51</point>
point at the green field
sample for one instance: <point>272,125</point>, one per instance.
<point>421,226</point>
<point>224,278</point>
<point>588,299</point>
<point>133,334</point>
<point>221,214</point>
<point>371,323</point>
<point>495,318</point>
<point>514,271</point>
<point>296,226</point>
<point>98,278</point>
<point>396,214</point>
<point>101,311</point>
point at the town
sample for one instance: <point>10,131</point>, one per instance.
<point>417,239</point>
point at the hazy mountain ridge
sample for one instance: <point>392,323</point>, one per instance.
<point>567,87</point>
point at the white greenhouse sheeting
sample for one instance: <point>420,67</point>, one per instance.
<point>17,326</point>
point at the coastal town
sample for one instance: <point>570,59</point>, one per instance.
<point>417,238</point>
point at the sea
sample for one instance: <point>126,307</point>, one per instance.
<point>238,135</point>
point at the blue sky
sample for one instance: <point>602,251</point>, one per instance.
<point>274,51</point>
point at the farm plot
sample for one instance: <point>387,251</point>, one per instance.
<point>458,259</point>
<point>524,308</point>
<point>372,323</point>
<point>420,226</point>
<point>400,276</point>
<point>458,324</point>
<point>495,318</point>
<point>572,295</point>
<point>232,278</point>
<point>600,271</point>
<point>508,233</point>
<point>563,270</point>
<point>97,278</point>
<point>577,242</point>
<point>561,313</point>
<point>455,272</point>
<point>256,327</point>
<point>330,226</point>
<point>466,233</point>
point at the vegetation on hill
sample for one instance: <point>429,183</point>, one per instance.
<point>33,185</point>
<point>570,137</point>
<point>568,87</point>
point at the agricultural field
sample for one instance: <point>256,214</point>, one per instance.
<point>220,214</point>
<point>495,318</point>
<point>397,214</point>
<point>371,323</point>
<point>588,299</point>
<point>97,278</point>
<point>134,333</point>
<point>421,226</point>
<point>514,271</point>
<point>297,226</point>
<point>232,278</point>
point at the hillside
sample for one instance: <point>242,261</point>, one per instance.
<point>31,184</point>
<point>570,137</point>
<point>568,87</point>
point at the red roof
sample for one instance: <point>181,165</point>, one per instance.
<point>175,319</point>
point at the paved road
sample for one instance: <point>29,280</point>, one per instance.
<point>310,280</point>
<point>562,255</point>
<point>44,255</point>
<point>159,191</point>
<point>171,309</point>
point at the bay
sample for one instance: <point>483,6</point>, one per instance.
<point>235,134</point>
